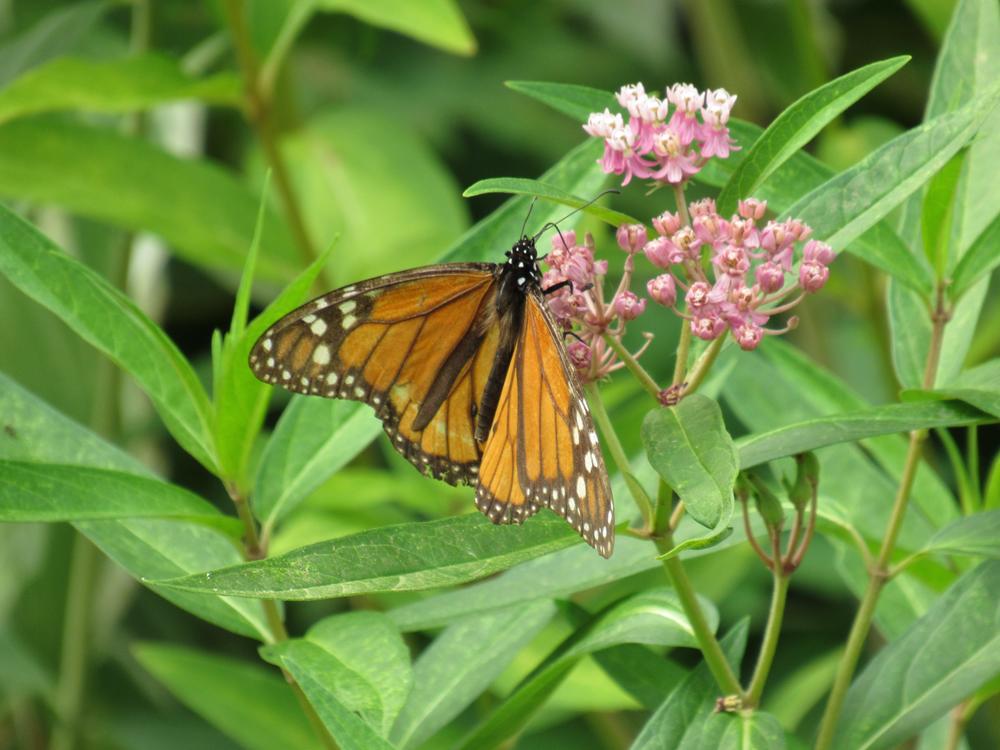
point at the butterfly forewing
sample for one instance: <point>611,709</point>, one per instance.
<point>543,449</point>
<point>417,346</point>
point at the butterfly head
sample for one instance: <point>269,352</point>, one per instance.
<point>522,264</point>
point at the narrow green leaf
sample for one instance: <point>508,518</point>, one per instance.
<point>305,662</point>
<point>570,99</point>
<point>943,658</point>
<point>798,437</point>
<point>853,201</point>
<point>408,557</point>
<point>461,663</point>
<point>554,576</point>
<point>689,447</point>
<point>241,305</point>
<point>252,705</point>
<point>439,23</point>
<point>111,322</point>
<point>58,492</point>
<point>683,715</point>
<point>981,259</point>
<point>715,536</point>
<point>54,34</point>
<point>520,186</point>
<point>798,125</point>
<point>124,85</point>
<point>576,173</point>
<point>938,215</point>
<point>313,440</point>
<point>641,672</point>
<point>143,547</point>
<point>978,534</point>
<point>651,617</point>
<point>979,386</point>
<point>360,659</point>
<point>240,399</point>
<point>204,212</point>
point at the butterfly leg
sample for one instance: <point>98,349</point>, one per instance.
<point>566,283</point>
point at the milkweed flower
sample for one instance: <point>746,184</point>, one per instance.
<point>663,140</point>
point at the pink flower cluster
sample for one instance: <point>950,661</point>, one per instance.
<point>581,304</point>
<point>657,144</point>
<point>750,269</point>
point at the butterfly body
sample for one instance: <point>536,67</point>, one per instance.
<point>465,368</point>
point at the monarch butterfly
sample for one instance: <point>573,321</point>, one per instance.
<point>464,365</point>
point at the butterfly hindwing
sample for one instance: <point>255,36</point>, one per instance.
<point>542,450</point>
<point>417,346</point>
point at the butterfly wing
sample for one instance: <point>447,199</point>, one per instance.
<point>542,450</point>
<point>417,346</point>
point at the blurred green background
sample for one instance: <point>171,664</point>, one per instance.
<point>381,131</point>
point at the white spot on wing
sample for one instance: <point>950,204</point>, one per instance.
<point>322,355</point>
<point>318,327</point>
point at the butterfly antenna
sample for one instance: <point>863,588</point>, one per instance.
<point>530,207</point>
<point>575,210</point>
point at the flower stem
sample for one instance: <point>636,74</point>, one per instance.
<point>618,455</point>
<point>769,645</point>
<point>880,571</point>
<point>259,112</point>
<point>644,378</point>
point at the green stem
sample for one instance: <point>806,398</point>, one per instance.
<point>260,115</point>
<point>703,365</point>
<point>69,692</point>
<point>618,454</point>
<point>879,574</point>
<point>684,342</point>
<point>644,378</point>
<point>769,645</point>
<point>710,648</point>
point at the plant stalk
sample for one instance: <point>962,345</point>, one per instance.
<point>644,378</point>
<point>259,113</point>
<point>880,572</point>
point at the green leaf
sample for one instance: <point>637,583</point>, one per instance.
<point>111,322</point>
<point>53,35</point>
<point>981,259</point>
<point>307,665</point>
<point>461,663</point>
<point>144,548</point>
<point>979,386</point>
<point>798,437</point>
<point>439,23</point>
<point>853,201</point>
<point>201,210</point>
<point>125,85</point>
<point>652,617</point>
<point>519,186</point>
<point>798,125</point>
<point>347,189</point>
<point>576,173</point>
<point>938,215</point>
<point>252,705</point>
<point>57,492</point>
<point>684,715</point>
<point>240,399</point>
<point>313,440</point>
<point>554,576</point>
<point>407,557</point>
<point>689,447</point>
<point>641,672</point>
<point>943,658</point>
<point>978,534</point>
<point>359,659</point>
<point>576,101</point>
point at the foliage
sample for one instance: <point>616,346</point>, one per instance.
<point>179,176</point>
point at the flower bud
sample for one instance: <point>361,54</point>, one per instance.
<point>818,252</point>
<point>662,290</point>
<point>698,295</point>
<point>579,354</point>
<point>667,223</point>
<point>660,252</point>
<point>770,277</point>
<point>806,477</point>
<point>628,305</point>
<point>813,276</point>
<point>707,327</point>
<point>752,208</point>
<point>748,335</point>
<point>631,237</point>
<point>768,504</point>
